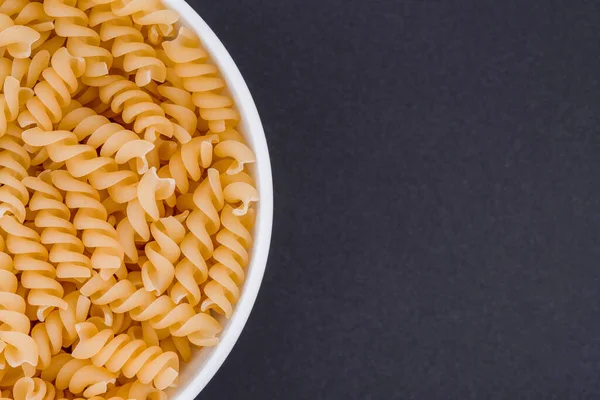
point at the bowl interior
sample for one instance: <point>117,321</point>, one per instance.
<point>205,363</point>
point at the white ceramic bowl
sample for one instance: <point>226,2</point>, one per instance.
<point>195,375</point>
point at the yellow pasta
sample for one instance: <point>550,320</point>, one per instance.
<point>33,389</point>
<point>98,236</point>
<point>121,353</point>
<point>78,376</point>
<point>58,330</point>
<point>108,138</point>
<point>126,200</point>
<point>12,98</point>
<point>135,106</point>
<point>231,257</point>
<point>136,390</point>
<point>148,13</point>
<point>18,40</point>
<point>82,41</point>
<point>16,342</point>
<point>137,56</point>
<point>25,70</point>
<point>52,217</point>
<point>14,165</point>
<point>31,258</point>
<point>12,7</point>
<point>189,162</point>
<point>162,253</point>
<point>162,312</point>
<point>54,93</point>
<point>201,78</point>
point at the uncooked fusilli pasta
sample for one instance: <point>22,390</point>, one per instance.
<point>126,201</point>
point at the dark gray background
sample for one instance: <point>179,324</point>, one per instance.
<point>437,199</point>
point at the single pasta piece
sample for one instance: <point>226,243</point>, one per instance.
<point>82,41</point>
<point>197,246</point>
<point>91,220</point>
<point>150,14</point>
<point>122,354</point>
<point>231,258</point>
<point>158,270</point>
<point>201,78</point>
<point>78,376</point>
<point>130,50</point>
<point>14,165</point>
<point>52,217</point>
<point>17,346</point>
<point>135,106</point>
<point>231,146</point>
<point>31,257</point>
<point>179,107</point>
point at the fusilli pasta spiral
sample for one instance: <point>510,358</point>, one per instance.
<point>52,217</point>
<point>150,14</point>
<point>14,166</point>
<point>137,56</point>
<point>91,219</point>
<point>162,253</point>
<point>15,343</point>
<point>135,106</point>
<point>82,41</point>
<point>78,376</point>
<point>120,353</point>
<point>31,257</point>
<point>201,78</point>
<point>231,257</point>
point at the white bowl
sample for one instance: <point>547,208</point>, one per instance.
<point>197,373</point>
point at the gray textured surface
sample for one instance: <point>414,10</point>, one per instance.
<point>437,199</point>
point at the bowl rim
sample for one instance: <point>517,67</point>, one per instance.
<point>255,135</point>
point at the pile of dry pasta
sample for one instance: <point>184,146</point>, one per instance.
<point>126,206</point>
